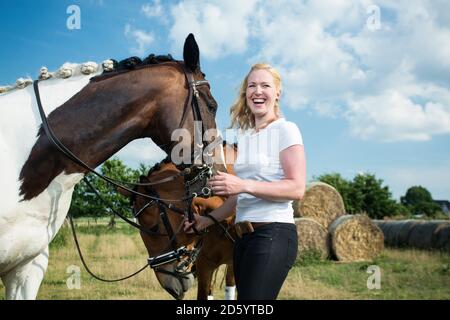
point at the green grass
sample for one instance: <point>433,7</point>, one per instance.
<point>113,253</point>
<point>405,274</point>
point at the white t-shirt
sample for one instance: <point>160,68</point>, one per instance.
<point>259,159</point>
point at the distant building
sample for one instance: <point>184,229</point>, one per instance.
<point>444,204</point>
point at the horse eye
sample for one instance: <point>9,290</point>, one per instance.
<point>212,106</point>
<point>155,228</point>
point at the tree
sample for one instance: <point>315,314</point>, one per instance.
<point>364,193</point>
<point>419,201</point>
<point>86,203</point>
<point>344,187</point>
<point>375,199</point>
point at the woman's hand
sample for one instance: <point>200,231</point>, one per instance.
<point>224,184</point>
<point>199,222</point>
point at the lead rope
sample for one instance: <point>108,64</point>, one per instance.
<point>77,245</point>
<point>84,262</point>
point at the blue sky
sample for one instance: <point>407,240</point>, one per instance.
<point>367,82</point>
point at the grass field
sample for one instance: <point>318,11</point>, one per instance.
<point>113,253</point>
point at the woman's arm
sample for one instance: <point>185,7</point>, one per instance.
<point>292,187</point>
<point>228,208</point>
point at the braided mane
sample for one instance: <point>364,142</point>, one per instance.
<point>108,68</point>
<point>114,68</point>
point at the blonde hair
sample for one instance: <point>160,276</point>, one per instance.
<point>241,116</point>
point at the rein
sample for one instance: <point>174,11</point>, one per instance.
<point>64,150</point>
<point>192,100</point>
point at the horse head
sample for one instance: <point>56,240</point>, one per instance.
<point>164,222</point>
<point>165,226</point>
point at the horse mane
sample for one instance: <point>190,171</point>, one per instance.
<point>107,69</point>
<point>132,63</point>
<point>157,166</point>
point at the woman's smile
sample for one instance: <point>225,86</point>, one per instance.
<point>261,93</point>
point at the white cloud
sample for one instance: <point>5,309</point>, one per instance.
<point>303,42</point>
<point>391,84</point>
<point>141,151</point>
<point>155,10</point>
<point>142,38</point>
<point>328,109</point>
<point>220,27</point>
<point>392,116</point>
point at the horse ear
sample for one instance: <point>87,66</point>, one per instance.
<point>191,53</point>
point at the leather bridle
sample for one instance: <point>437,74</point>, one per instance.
<point>204,172</point>
<point>173,251</point>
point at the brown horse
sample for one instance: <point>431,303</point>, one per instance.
<point>93,121</point>
<point>216,248</point>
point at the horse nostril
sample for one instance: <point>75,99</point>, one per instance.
<point>174,293</point>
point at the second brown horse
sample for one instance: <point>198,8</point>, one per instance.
<point>216,248</point>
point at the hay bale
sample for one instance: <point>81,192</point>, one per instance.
<point>414,233</point>
<point>355,238</point>
<point>380,224</point>
<point>397,232</point>
<point>421,235</point>
<point>312,238</point>
<point>389,231</point>
<point>441,237</point>
<point>321,202</point>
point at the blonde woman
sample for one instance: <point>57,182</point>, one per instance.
<point>270,173</point>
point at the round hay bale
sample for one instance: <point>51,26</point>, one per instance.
<point>355,238</point>
<point>380,224</point>
<point>390,237</point>
<point>385,226</point>
<point>441,237</point>
<point>396,233</point>
<point>321,202</point>
<point>421,235</point>
<point>312,238</point>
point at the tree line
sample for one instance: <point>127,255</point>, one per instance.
<point>364,193</point>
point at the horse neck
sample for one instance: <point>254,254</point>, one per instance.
<point>98,121</point>
<point>115,112</point>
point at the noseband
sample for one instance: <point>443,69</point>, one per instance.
<point>185,256</point>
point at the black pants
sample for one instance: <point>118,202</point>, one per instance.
<point>263,259</point>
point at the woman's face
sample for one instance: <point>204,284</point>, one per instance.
<point>261,92</point>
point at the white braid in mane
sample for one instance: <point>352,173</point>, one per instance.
<point>67,70</point>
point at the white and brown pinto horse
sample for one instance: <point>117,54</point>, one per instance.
<point>94,119</point>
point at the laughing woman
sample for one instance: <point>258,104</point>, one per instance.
<point>270,173</point>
